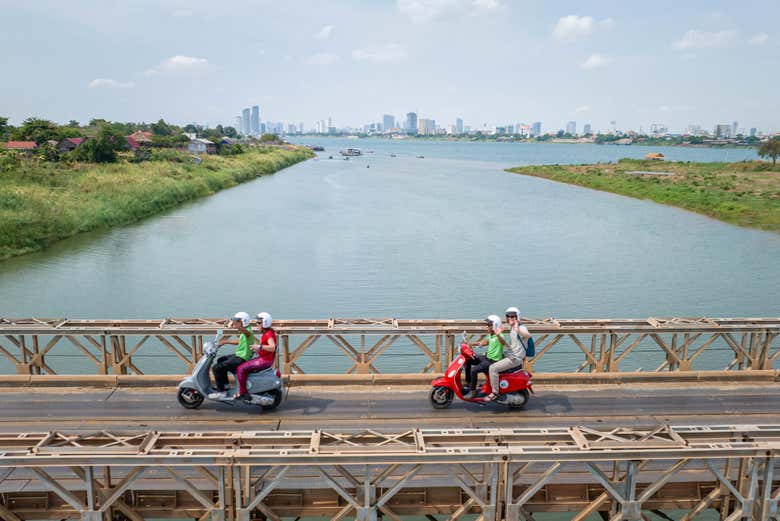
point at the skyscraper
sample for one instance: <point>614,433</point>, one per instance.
<point>255,124</point>
<point>571,128</point>
<point>723,131</point>
<point>536,128</point>
<point>246,126</point>
<point>459,125</point>
<point>734,129</point>
<point>239,124</point>
<point>388,122</point>
<point>586,129</point>
<point>426,127</point>
<point>411,123</point>
<point>753,132</point>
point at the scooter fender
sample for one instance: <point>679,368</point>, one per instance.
<point>442,381</point>
<point>188,382</point>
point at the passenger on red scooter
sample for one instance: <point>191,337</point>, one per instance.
<point>266,353</point>
<point>495,351</point>
<point>514,353</point>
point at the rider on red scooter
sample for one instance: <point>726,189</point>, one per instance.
<point>481,363</point>
<point>514,354</point>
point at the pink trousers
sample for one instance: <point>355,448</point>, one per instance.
<point>250,366</point>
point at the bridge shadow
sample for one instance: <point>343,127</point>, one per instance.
<point>293,404</point>
<point>542,405</point>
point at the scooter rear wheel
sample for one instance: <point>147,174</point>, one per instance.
<point>441,397</point>
<point>277,394</point>
<point>189,398</point>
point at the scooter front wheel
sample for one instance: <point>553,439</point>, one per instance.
<point>441,397</point>
<point>189,398</point>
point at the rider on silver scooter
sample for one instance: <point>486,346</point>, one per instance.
<point>230,363</point>
<point>266,354</point>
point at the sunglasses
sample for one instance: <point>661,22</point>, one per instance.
<point>511,315</point>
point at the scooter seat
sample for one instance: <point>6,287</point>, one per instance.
<point>512,370</point>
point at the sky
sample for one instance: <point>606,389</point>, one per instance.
<point>491,62</point>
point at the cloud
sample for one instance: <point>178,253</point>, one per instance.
<point>422,11</point>
<point>758,39</point>
<point>595,61</point>
<point>182,13</point>
<point>322,58</point>
<point>572,27</point>
<point>695,39</point>
<point>390,52</point>
<point>106,83</point>
<point>180,65</point>
<point>583,108</point>
<point>324,33</point>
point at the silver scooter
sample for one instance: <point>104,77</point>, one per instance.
<point>265,387</point>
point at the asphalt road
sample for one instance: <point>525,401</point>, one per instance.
<point>35,410</point>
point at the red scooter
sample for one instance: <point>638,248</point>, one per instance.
<point>515,385</point>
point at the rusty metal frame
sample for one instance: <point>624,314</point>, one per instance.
<point>231,474</point>
<point>605,345</point>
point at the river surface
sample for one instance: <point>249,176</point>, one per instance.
<point>447,235</point>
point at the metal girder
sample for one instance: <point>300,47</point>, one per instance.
<point>111,345</point>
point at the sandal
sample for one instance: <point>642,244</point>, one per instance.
<point>492,397</point>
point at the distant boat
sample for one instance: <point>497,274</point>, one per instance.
<point>351,152</point>
<point>656,156</point>
<point>420,157</point>
<point>317,148</point>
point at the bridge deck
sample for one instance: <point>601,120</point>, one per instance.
<point>37,409</point>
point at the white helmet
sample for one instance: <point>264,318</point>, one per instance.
<point>244,317</point>
<point>514,310</point>
<point>493,320</point>
<point>264,319</point>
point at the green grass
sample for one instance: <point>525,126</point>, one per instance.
<point>745,194</point>
<point>42,202</point>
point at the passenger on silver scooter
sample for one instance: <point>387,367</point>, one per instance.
<point>266,354</point>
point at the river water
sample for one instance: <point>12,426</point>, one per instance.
<point>447,235</point>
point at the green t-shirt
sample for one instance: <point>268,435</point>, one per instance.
<point>495,350</point>
<point>244,342</point>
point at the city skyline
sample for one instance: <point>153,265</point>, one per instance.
<point>487,61</point>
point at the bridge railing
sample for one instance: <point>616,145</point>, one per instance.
<point>371,346</point>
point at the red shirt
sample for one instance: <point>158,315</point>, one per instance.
<point>268,356</point>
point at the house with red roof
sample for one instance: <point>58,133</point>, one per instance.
<point>141,137</point>
<point>24,146</point>
<point>70,143</point>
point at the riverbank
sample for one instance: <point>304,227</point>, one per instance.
<point>745,193</point>
<point>42,202</point>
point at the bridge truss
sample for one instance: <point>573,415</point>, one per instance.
<point>495,474</point>
<point>364,346</point>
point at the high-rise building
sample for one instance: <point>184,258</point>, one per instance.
<point>722,131</point>
<point>586,130</point>
<point>246,127</point>
<point>255,123</point>
<point>239,124</point>
<point>459,125</point>
<point>753,132</point>
<point>536,128</point>
<point>571,128</point>
<point>388,122</point>
<point>411,123</point>
<point>734,129</point>
<point>426,127</point>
